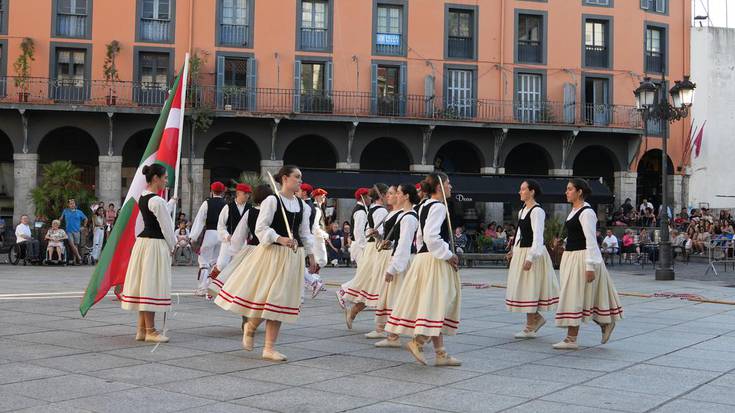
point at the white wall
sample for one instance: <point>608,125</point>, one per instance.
<point>713,70</point>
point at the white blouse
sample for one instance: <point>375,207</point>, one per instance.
<point>432,230</point>
<point>538,217</point>
<point>402,256</point>
<point>269,208</point>
<point>224,215</point>
<point>200,220</point>
<point>241,234</point>
<point>588,219</point>
<point>160,209</point>
<point>360,220</point>
<point>319,234</point>
<point>379,217</point>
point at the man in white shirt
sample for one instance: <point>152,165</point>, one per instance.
<point>610,243</point>
<point>645,204</point>
<point>228,220</point>
<point>23,236</point>
<point>206,223</point>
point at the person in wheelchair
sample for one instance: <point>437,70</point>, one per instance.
<point>55,237</point>
<point>24,238</point>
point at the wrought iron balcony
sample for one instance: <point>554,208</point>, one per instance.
<point>314,39</point>
<point>155,30</point>
<point>530,51</point>
<point>233,34</point>
<point>389,44</point>
<point>71,25</point>
<point>596,56</point>
<point>460,47</point>
<point>654,62</point>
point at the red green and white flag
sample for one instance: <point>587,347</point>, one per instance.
<point>164,147</point>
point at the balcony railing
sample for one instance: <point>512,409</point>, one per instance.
<point>71,25</point>
<point>155,30</point>
<point>233,34</point>
<point>654,62</point>
<point>596,56</point>
<point>530,51</point>
<point>460,47</point>
<point>314,39</point>
<point>389,44</point>
<point>97,93</point>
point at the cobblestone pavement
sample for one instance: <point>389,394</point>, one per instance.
<point>667,355</point>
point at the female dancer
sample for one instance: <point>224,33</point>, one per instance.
<point>147,287</point>
<point>362,290</point>
<point>403,248</point>
<point>532,285</point>
<point>429,301</point>
<point>587,292</point>
<point>268,284</point>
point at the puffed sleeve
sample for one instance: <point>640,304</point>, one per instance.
<point>378,218</point>
<point>263,230</point>
<point>307,239</point>
<point>538,217</point>
<point>224,215</point>
<point>399,261</point>
<point>432,230</point>
<point>199,221</point>
<point>588,219</point>
<point>359,230</point>
<point>160,209</point>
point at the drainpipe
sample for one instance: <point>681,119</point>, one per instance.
<point>191,25</point>
<point>501,90</point>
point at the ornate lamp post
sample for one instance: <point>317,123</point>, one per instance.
<point>661,110</point>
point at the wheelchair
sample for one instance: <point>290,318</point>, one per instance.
<point>19,254</point>
<point>60,260</point>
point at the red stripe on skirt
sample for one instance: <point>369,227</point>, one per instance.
<point>256,303</point>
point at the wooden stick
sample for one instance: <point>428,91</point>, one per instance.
<point>283,208</point>
<point>449,219</point>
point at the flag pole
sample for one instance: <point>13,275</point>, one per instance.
<point>184,88</point>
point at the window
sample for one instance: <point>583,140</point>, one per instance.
<point>388,88</point>
<point>598,2</point>
<point>3,65</point>
<point>657,6</point>
<point>529,97</point>
<point>655,49</point>
<point>460,99</point>
<point>69,82</point>
<point>389,30</point>
<point>596,101</point>
<point>313,84</point>
<point>235,83</point>
<point>596,48</point>
<point>314,29</point>
<point>234,22</point>
<point>3,16</point>
<point>460,36</point>
<point>654,126</point>
<point>530,38</point>
<point>72,18</point>
<point>156,21</point>
<point>153,77</point>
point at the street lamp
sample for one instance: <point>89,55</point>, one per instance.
<point>650,107</point>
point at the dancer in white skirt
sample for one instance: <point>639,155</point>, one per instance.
<point>206,222</point>
<point>429,302</point>
<point>358,224</point>
<point>532,284</point>
<point>229,217</point>
<point>147,287</point>
<point>318,229</point>
<point>312,281</point>
<point>268,284</point>
<point>243,240</point>
<point>402,236</point>
<point>362,290</point>
<point>587,291</point>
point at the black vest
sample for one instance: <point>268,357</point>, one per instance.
<point>312,214</point>
<point>418,206</point>
<point>371,221</point>
<point>397,233</point>
<point>388,226</point>
<point>214,207</point>
<point>252,219</point>
<point>294,220</point>
<point>357,207</point>
<point>443,232</point>
<point>526,230</point>
<point>234,216</point>
<point>152,228</point>
<point>576,241</point>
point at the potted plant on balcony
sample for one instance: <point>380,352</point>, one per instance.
<point>196,62</point>
<point>110,71</point>
<point>22,68</point>
<point>229,94</point>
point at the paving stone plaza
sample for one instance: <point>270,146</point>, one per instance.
<point>667,355</point>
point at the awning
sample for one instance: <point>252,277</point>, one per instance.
<point>466,187</point>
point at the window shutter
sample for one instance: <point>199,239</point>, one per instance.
<point>570,102</point>
<point>429,95</point>
<point>328,78</point>
<point>661,6</point>
<point>220,82</point>
<point>644,4</point>
<point>297,86</point>
<point>252,83</point>
<point>404,89</point>
<point>374,89</point>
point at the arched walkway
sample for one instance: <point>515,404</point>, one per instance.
<point>596,161</point>
<point>134,147</point>
<point>528,159</point>
<point>311,151</point>
<point>458,156</point>
<point>75,145</point>
<point>229,155</point>
<point>6,174</point>
<point>649,177</point>
<point>385,154</point>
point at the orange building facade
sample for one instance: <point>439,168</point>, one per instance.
<point>484,87</point>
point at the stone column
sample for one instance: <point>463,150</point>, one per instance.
<point>422,168</point>
<point>192,187</point>
<point>625,187</point>
<point>267,165</point>
<point>110,180</point>
<point>349,166</point>
<point>677,197</point>
<point>560,211</point>
<point>25,172</point>
<point>494,211</point>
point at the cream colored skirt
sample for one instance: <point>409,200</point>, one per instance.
<point>389,293</point>
<point>365,286</point>
<point>429,301</point>
<point>534,290</point>
<point>217,283</point>
<point>580,301</point>
<point>148,278</point>
<point>266,285</point>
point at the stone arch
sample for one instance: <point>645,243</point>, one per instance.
<point>373,156</point>
<point>6,166</point>
<point>73,144</point>
<point>230,154</point>
<point>528,159</point>
<point>597,161</point>
<point>458,156</point>
<point>134,147</point>
<point>311,151</point>
<point>649,176</point>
